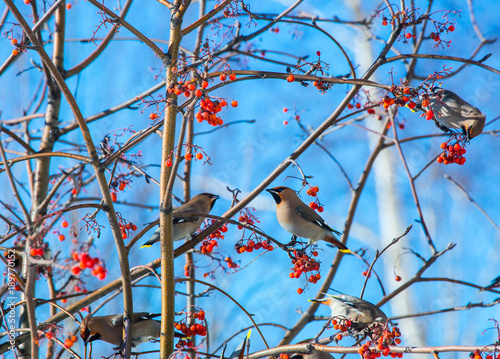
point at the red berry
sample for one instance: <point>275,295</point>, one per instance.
<point>223,77</point>
<point>234,103</point>
<point>64,224</point>
<point>408,35</point>
<point>290,78</point>
<point>451,28</point>
<point>300,291</point>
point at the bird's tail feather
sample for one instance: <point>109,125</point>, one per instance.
<point>341,246</point>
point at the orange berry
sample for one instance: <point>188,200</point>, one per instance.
<point>198,93</point>
<point>232,77</point>
<point>425,103</point>
<point>191,86</point>
<point>64,224</point>
<point>406,90</point>
<point>408,35</point>
<point>68,6</point>
<point>397,279</point>
<point>199,156</point>
<point>411,105</point>
<point>122,186</point>
<point>62,237</point>
<point>168,163</point>
<point>443,145</point>
<point>300,291</point>
<point>429,115</point>
<point>290,78</point>
<point>27,2</point>
<point>188,156</point>
<point>285,110</point>
<point>234,103</point>
<point>153,116</point>
<point>114,196</point>
<point>223,77</point>
<point>204,84</point>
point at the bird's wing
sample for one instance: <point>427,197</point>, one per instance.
<point>139,317</point>
<point>311,216</point>
<point>117,320</point>
<point>180,218</point>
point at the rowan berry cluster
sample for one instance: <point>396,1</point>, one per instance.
<point>341,323</point>
<point>316,205</point>
<point>182,87</point>
<point>192,329</point>
<point>452,154</point>
<point>209,243</point>
<point>116,186</point>
<point>126,228</point>
<point>476,354</point>
<point>251,245</point>
<point>383,340</point>
<point>322,86</point>
<point>209,110</point>
<point>70,341</point>
<point>303,263</point>
<point>85,261</point>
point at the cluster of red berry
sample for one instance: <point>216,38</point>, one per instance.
<point>86,261</point>
<point>190,330</point>
<point>126,228</point>
<point>343,324</point>
<point>183,87</point>
<point>251,245</point>
<point>209,110</point>
<point>383,340</point>
<point>207,246</point>
<point>452,154</point>
<point>230,263</point>
<point>322,86</point>
<point>302,263</point>
<point>69,341</point>
<point>476,354</point>
<point>209,243</point>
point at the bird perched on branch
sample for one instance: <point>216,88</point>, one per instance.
<point>494,283</point>
<point>109,328</point>
<point>184,224</point>
<point>299,219</point>
<point>452,112</point>
<point>361,313</point>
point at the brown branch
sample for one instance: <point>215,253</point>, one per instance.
<point>102,46</point>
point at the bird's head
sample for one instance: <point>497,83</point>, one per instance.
<point>87,334</point>
<point>473,127</point>
<point>211,197</point>
<point>280,193</point>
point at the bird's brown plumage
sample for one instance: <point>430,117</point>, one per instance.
<point>109,328</point>
<point>299,219</point>
<point>186,225</point>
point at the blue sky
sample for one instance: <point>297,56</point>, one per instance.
<point>243,155</point>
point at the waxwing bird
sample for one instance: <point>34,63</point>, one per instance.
<point>299,219</point>
<point>361,313</point>
<point>185,226</point>
<point>452,112</point>
<point>109,328</point>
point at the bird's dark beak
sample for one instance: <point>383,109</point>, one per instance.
<point>275,195</point>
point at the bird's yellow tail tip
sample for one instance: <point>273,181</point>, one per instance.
<point>145,245</point>
<point>346,251</point>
